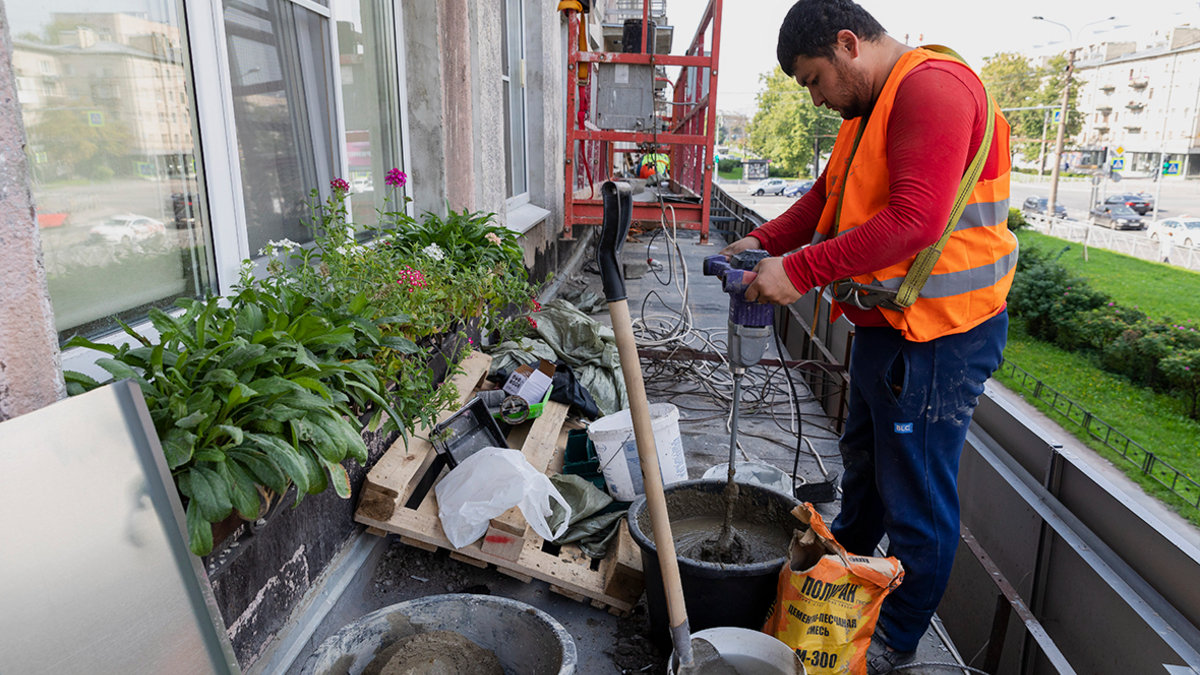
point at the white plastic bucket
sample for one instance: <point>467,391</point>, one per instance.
<point>617,450</point>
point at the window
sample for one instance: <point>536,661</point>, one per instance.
<point>371,103</point>
<point>512,73</point>
<point>279,64</point>
<point>120,226</point>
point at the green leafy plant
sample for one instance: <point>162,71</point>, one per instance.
<point>241,396</point>
<point>263,387</point>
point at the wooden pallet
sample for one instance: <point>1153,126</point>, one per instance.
<point>614,583</point>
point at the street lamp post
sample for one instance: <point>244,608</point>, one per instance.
<point>1066,96</point>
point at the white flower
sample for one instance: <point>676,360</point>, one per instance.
<point>434,251</point>
<point>341,250</point>
<point>261,252</point>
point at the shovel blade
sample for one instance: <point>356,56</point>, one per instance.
<point>706,660</point>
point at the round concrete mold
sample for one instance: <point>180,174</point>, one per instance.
<point>527,640</point>
<point>737,595</point>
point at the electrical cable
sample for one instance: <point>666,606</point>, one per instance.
<point>939,664</point>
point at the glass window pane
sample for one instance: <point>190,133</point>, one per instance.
<point>371,104</point>
<point>282,90</point>
<point>104,95</point>
<point>516,100</point>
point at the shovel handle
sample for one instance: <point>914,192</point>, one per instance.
<point>656,499</point>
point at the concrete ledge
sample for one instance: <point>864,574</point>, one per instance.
<point>524,217</point>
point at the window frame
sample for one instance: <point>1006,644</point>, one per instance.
<point>216,148</point>
<point>518,199</point>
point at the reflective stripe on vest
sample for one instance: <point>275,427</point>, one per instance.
<point>963,281</point>
<point>983,215</point>
<point>970,281</point>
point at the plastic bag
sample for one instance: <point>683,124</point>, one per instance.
<point>828,601</point>
<point>487,484</point>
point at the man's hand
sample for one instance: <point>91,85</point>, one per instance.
<point>772,285</point>
<point>743,244</point>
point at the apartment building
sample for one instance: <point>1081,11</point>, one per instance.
<point>1141,107</point>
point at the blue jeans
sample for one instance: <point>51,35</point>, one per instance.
<point>909,408</point>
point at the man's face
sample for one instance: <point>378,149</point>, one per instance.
<point>838,83</point>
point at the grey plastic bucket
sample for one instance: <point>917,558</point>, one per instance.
<point>527,640</point>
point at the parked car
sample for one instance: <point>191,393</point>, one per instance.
<point>1117,217</point>
<point>1178,231</point>
<point>774,186</point>
<point>184,207</point>
<point>1038,205</point>
<point>1141,203</point>
<point>128,228</point>
<point>798,189</point>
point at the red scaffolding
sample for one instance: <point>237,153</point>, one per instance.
<point>691,123</point>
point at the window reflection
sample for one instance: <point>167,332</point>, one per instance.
<point>370,99</point>
<point>104,96</point>
<point>282,93</point>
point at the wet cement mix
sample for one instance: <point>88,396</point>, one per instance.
<point>440,652</point>
<point>764,526</point>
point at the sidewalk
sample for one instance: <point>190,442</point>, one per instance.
<point>1180,525</point>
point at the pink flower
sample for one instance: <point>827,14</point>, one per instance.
<point>412,278</point>
<point>339,185</point>
<point>396,178</point>
<point>532,323</point>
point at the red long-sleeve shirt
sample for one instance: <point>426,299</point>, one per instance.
<point>937,123</point>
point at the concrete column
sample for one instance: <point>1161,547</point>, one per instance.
<point>30,369</point>
<point>423,75</point>
<point>490,160</point>
<point>458,121</point>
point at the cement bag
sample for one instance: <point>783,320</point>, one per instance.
<point>828,601</point>
<point>487,484</point>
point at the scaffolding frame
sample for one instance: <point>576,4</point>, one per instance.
<point>691,122</point>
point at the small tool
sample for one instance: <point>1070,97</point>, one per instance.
<point>748,337</point>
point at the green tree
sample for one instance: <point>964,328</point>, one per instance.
<point>1016,83</point>
<point>786,122</point>
<point>67,136</point>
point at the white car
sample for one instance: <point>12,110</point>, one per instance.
<point>128,228</point>
<point>774,186</point>
<point>1184,231</point>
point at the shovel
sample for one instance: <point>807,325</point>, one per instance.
<point>695,657</point>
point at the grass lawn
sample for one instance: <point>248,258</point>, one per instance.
<point>1155,288</point>
<point>1154,420</point>
<point>736,174</point>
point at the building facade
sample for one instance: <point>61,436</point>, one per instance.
<point>218,119</point>
<point>1141,108</point>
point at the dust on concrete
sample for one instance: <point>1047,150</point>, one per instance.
<point>439,652</point>
<point>406,572</point>
<point>632,650</point>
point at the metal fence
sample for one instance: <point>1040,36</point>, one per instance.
<point>1151,465</point>
<point>1129,243</point>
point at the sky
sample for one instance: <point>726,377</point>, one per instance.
<point>750,29</point>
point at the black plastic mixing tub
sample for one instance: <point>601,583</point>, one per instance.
<point>715,594</point>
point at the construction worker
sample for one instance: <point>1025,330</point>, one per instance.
<point>654,163</point>
<point>917,127</point>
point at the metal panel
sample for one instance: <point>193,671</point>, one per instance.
<point>626,97</point>
<point>1104,617</point>
<point>96,577</point>
<point>1168,564</point>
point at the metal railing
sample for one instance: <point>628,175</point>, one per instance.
<point>1179,483</point>
<point>1132,244</point>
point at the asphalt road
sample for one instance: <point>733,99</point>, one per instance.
<point>1179,198</point>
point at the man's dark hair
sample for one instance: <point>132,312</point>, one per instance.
<point>811,29</point>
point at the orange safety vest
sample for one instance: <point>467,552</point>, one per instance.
<point>970,281</point>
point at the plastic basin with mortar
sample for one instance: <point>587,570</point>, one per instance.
<point>527,640</point>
